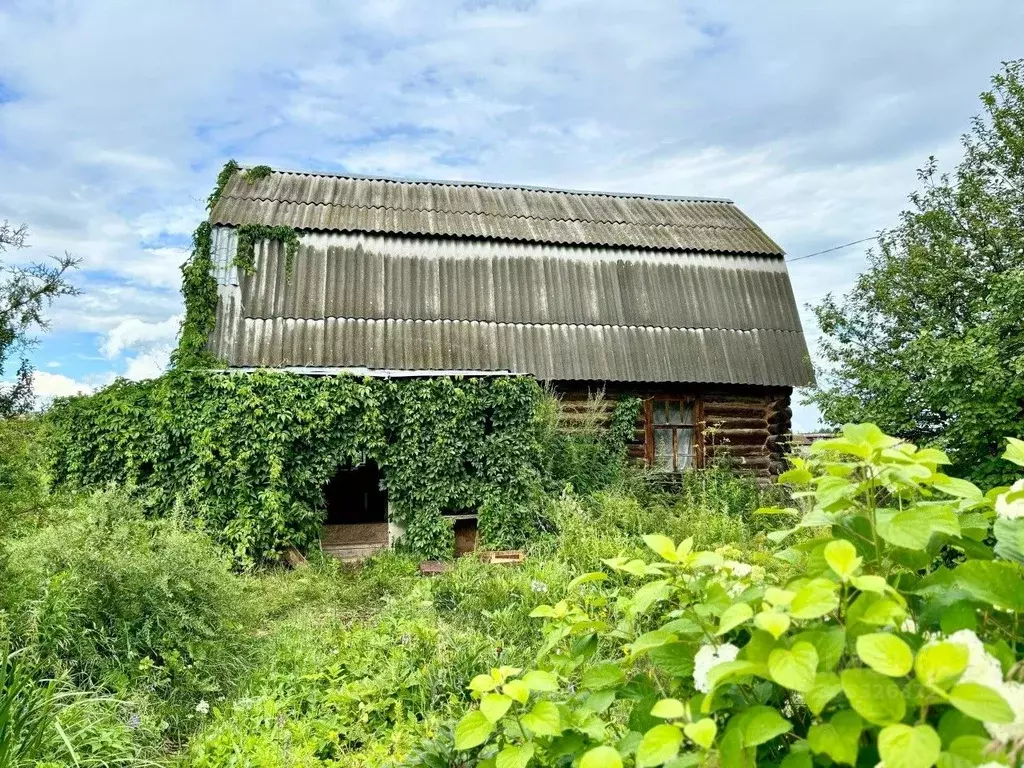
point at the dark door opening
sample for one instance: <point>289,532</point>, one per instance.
<point>354,495</point>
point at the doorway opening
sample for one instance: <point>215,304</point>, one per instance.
<point>356,521</point>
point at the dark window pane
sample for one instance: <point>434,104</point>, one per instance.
<point>673,412</point>
<point>659,412</point>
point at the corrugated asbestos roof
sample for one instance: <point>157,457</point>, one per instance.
<point>459,209</point>
<point>432,276</point>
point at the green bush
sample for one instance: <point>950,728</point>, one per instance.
<point>23,484</point>
<point>888,641</point>
<point>127,605</point>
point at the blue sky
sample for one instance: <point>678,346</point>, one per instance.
<point>116,116</point>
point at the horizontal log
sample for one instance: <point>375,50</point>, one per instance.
<point>718,410</point>
<point>741,450</point>
<point>736,434</point>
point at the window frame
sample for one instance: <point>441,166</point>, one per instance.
<point>698,430</point>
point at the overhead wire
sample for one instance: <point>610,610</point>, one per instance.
<point>834,248</point>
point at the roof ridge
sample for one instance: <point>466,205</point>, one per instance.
<point>487,213</point>
<point>501,185</point>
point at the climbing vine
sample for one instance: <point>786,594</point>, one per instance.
<point>248,455</point>
<point>250,234</point>
<point>198,284</point>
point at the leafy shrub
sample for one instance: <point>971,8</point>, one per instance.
<point>45,722</point>
<point>128,605</point>
<point>23,487</point>
<point>887,642</point>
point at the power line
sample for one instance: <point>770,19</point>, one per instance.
<point>835,248</point>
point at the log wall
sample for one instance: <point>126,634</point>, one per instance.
<point>748,427</point>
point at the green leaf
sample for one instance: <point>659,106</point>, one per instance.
<point>797,758</point>
<point>940,663</point>
<point>601,757</point>
<point>702,733</point>
<point>651,640</point>
<point>914,528</point>
<point>472,730</point>
<point>993,582</point>
<point>1009,533</point>
<point>794,668</point>
<point>729,670</point>
<point>885,653</point>
<point>494,706</point>
<point>826,687</point>
<point>515,756</point>
<point>778,597</point>
<point>662,546</point>
<point>905,746</point>
<point>539,680</point>
<point>606,675</point>
<point>587,578</point>
<point>839,738</point>
<point>659,745</point>
<point>517,690</point>
<point>675,659</point>
<point>649,594</point>
<point>816,598</point>
<point>1014,451</point>
<point>980,702</point>
<point>842,558</point>
<point>733,616</point>
<point>955,486</point>
<point>772,622</point>
<point>669,709</point>
<point>761,724</point>
<point>482,683</point>
<point>795,476</point>
<point>544,719</point>
<point>874,697</point>
<point>869,583</point>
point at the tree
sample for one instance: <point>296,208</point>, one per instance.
<point>929,344</point>
<point>26,291</point>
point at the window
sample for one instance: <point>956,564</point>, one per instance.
<point>672,433</point>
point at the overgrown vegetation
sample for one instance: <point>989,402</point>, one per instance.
<point>928,343</point>
<point>248,455</point>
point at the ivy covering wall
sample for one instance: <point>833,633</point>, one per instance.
<point>248,453</point>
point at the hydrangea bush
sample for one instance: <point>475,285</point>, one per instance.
<point>889,636</point>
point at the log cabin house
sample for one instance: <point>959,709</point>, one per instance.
<point>682,301</point>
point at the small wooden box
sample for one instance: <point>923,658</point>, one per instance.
<point>504,557</point>
<point>433,567</point>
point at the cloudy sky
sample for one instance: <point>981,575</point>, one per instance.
<point>116,116</point>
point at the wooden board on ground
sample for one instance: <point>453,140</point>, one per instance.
<point>503,557</point>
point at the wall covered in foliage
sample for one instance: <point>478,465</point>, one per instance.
<point>248,454</point>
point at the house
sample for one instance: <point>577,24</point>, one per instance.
<point>682,301</point>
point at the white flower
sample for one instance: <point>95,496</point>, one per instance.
<point>982,667</point>
<point>203,708</point>
<point>708,657</point>
<point>1014,695</point>
<point>739,570</point>
<point>1011,509</point>
<point>909,625</point>
<point>538,586</point>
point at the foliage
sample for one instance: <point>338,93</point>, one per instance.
<point>199,291</point>
<point>26,291</point>
<point>127,605</point>
<point>591,454</point>
<point>928,342</point>
<point>199,286</point>
<point>46,723</point>
<point>249,454</point>
<point>23,491</point>
<point>250,234</point>
<point>887,639</point>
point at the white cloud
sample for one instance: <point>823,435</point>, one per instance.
<point>149,364</point>
<point>47,386</point>
<point>134,333</point>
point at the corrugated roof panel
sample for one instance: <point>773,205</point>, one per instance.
<point>350,204</point>
<point>373,276</point>
<point>556,351</point>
